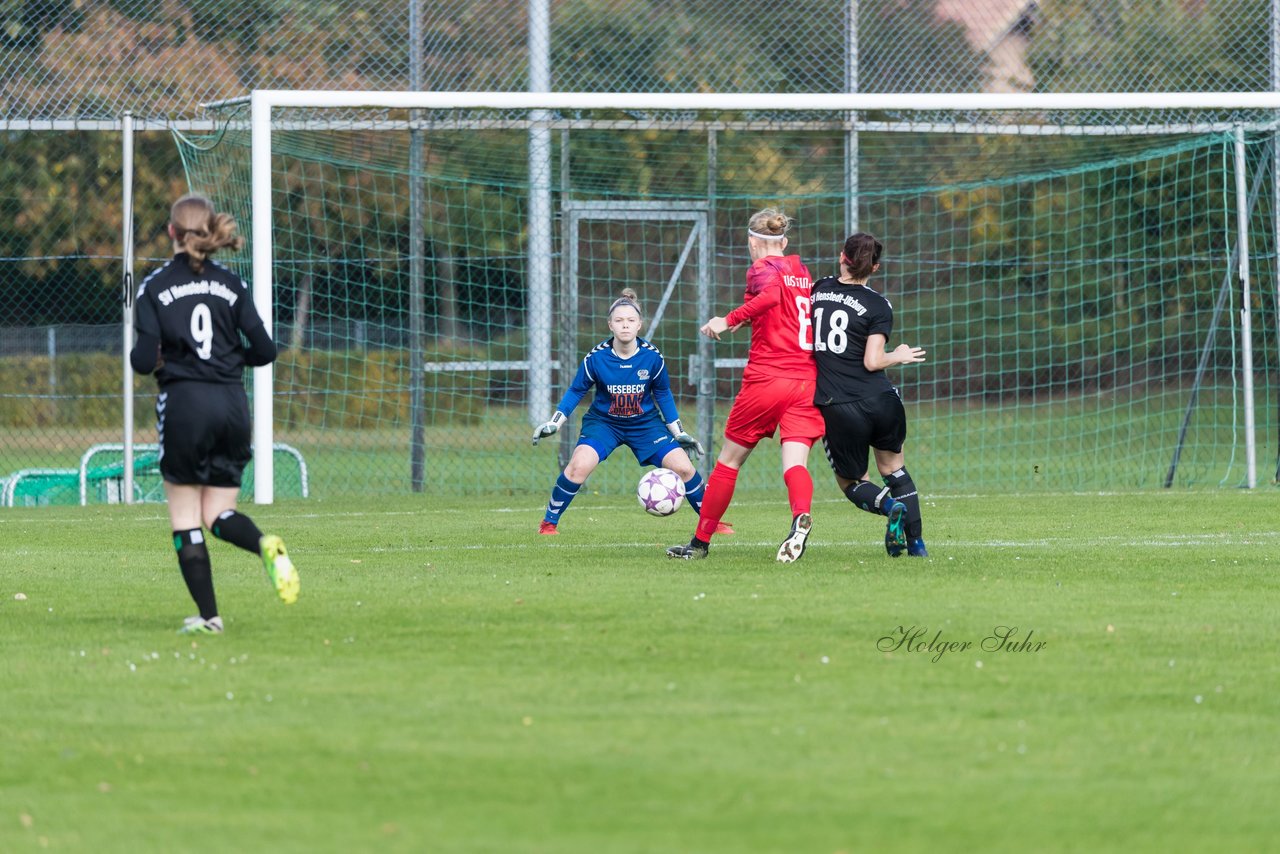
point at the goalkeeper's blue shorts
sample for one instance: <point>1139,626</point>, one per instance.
<point>647,437</point>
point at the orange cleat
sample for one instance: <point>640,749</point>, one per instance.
<point>724,528</point>
<point>547,528</point>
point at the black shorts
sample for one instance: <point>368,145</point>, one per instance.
<point>853,428</point>
<point>204,433</point>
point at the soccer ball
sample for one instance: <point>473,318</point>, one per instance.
<point>661,492</point>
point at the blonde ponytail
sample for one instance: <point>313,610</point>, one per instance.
<point>199,230</point>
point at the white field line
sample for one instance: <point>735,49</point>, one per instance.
<point>819,542</point>
<point>940,549</point>
<point>778,501</point>
<point>1068,540</point>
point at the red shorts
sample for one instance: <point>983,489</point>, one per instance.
<point>769,404</point>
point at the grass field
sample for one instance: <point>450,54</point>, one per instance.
<point>449,681</point>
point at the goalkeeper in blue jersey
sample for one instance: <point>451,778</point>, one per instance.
<point>632,406</point>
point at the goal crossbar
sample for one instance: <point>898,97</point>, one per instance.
<point>760,101</point>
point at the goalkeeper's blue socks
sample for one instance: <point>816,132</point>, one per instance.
<point>693,491</point>
<point>561,494</point>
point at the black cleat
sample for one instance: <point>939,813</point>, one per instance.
<point>695,550</point>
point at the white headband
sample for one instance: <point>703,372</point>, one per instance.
<point>766,236</point>
<point>621,301</point>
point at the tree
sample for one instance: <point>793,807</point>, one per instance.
<point>1151,45</point>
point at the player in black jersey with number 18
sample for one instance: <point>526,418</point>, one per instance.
<point>190,316</point>
<point>861,408</point>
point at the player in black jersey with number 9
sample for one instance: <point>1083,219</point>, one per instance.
<point>861,408</point>
<point>190,318</point>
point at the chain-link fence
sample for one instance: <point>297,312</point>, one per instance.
<point>71,71</point>
<point>95,59</point>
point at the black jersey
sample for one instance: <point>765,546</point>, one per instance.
<point>844,316</point>
<point>198,319</point>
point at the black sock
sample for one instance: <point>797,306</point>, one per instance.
<point>193,560</point>
<point>903,488</point>
<point>237,529</point>
<point>867,496</point>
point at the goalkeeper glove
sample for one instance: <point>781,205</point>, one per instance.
<point>691,446</point>
<point>549,427</point>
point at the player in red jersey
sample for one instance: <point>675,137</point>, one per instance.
<point>777,385</point>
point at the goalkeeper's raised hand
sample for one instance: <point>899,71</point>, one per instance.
<point>691,446</point>
<point>549,427</point>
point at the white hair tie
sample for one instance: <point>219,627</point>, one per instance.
<point>766,236</point>
<point>624,301</point>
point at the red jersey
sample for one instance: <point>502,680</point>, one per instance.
<point>777,306</point>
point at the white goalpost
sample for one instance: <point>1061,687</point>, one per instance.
<point>537,114</point>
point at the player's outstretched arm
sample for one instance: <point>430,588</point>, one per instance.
<point>549,427</point>
<point>714,327</point>
<point>904,354</point>
<point>874,358</point>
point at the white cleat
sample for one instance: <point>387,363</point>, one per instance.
<point>201,626</point>
<point>792,548</point>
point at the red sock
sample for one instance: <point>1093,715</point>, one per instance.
<point>716,498</point>
<point>799,489</point>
